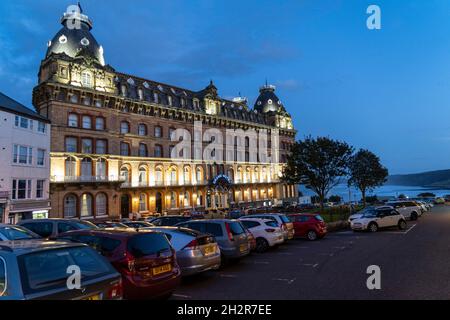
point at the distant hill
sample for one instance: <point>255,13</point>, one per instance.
<point>440,178</point>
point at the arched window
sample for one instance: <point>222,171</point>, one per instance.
<point>230,174</point>
<point>173,200</point>
<point>70,167</point>
<point>239,175</point>
<point>142,130</point>
<point>70,206</point>
<point>158,132</point>
<point>86,122</point>
<point>187,175</point>
<point>255,175</point>
<point>100,168</point>
<point>125,174</point>
<point>264,174</point>
<point>142,176</point>
<point>86,205</point>
<point>143,150</point>
<point>173,176</point>
<point>86,79</point>
<point>159,180</point>
<point>124,127</point>
<point>143,202</point>
<point>86,167</point>
<point>247,175</point>
<point>186,199</point>
<point>101,205</point>
<point>199,175</point>
<point>200,199</point>
<point>73,120</point>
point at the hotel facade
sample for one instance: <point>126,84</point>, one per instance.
<point>113,137</point>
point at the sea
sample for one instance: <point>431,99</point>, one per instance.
<point>353,194</point>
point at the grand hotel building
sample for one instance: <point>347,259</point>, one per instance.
<point>110,137</point>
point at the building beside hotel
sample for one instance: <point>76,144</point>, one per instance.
<point>111,137</point>
<point>24,159</point>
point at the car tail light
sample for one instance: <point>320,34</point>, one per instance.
<point>193,245</point>
<point>128,263</point>
<point>230,235</point>
<point>116,291</point>
<point>270,230</point>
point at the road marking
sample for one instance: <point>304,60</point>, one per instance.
<point>289,281</point>
<point>410,228</point>
<point>401,232</point>
<point>223,275</point>
<point>183,296</point>
<point>326,254</point>
<point>314,265</point>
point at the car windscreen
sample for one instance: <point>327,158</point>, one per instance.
<point>370,214</point>
<point>47,270</point>
<point>285,219</point>
<point>147,244</point>
<point>17,233</point>
<point>272,224</point>
<point>84,225</point>
<point>318,217</point>
<point>236,228</point>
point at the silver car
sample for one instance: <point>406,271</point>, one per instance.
<point>196,252</point>
<point>12,232</point>
<point>229,234</point>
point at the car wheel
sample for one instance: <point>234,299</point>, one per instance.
<point>312,235</point>
<point>414,216</point>
<point>402,224</point>
<point>373,227</point>
<point>261,245</point>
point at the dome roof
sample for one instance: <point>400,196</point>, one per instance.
<point>268,101</point>
<point>75,38</point>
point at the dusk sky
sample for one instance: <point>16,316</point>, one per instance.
<point>386,90</point>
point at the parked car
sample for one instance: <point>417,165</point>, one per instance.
<point>109,224</point>
<point>12,232</point>
<point>196,252</point>
<point>409,209</point>
<point>283,221</point>
<point>439,200</point>
<point>235,214</point>
<point>267,232</point>
<point>138,224</point>
<point>168,220</point>
<point>145,259</point>
<point>311,226</point>
<point>229,234</point>
<point>51,228</point>
<point>379,218</point>
<point>37,269</point>
<point>360,213</point>
<point>251,239</point>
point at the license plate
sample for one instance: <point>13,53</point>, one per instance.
<point>210,250</point>
<point>162,269</point>
<point>243,247</point>
<point>95,297</point>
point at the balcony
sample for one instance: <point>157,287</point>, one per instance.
<point>156,184</point>
<point>85,179</point>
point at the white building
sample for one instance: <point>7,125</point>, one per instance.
<point>24,162</point>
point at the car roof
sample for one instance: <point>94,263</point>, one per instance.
<point>215,220</point>
<point>49,220</point>
<point>117,232</point>
<point>27,246</point>
<point>303,214</point>
<point>255,219</point>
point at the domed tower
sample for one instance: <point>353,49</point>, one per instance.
<point>75,38</point>
<point>271,106</point>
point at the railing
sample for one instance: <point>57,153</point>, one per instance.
<point>91,179</point>
<point>164,184</point>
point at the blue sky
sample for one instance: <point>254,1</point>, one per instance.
<point>386,90</point>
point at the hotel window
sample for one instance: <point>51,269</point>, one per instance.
<point>86,79</point>
<point>143,150</point>
<point>124,127</point>
<point>71,167</point>
<point>186,199</point>
<point>173,176</point>
<point>171,131</point>
<point>42,128</point>
<point>41,157</point>
<point>124,149</point>
<point>21,189</point>
<point>170,152</point>
<point>158,132</point>
<point>158,151</point>
<point>173,200</point>
<point>196,104</point>
<point>99,123</point>
<point>100,205</point>
<point>142,176</point>
<point>125,174</point>
<point>86,167</point>
<point>169,100</point>
<point>199,175</point>
<point>22,154</point>
<point>86,146</point>
<point>86,205</point>
<point>142,130</point>
<point>187,175</point>
<point>24,123</point>
<point>143,202</point>
<point>70,206</point>
<point>73,120</point>
<point>155,97</point>
<point>40,189</point>
<point>158,176</point>
<point>86,122</point>
<point>100,168</point>
<point>100,146</point>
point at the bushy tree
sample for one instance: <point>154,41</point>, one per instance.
<point>366,172</point>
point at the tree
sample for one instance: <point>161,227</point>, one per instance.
<point>318,164</point>
<point>371,199</point>
<point>335,199</point>
<point>426,195</point>
<point>366,172</point>
<point>402,196</point>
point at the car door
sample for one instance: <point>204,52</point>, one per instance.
<point>383,218</point>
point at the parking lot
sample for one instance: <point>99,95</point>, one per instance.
<point>414,263</point>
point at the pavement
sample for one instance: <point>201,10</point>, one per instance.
<point>414,264</point>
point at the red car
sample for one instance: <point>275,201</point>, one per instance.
<point>311,226</point>
<point>145,259</point>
